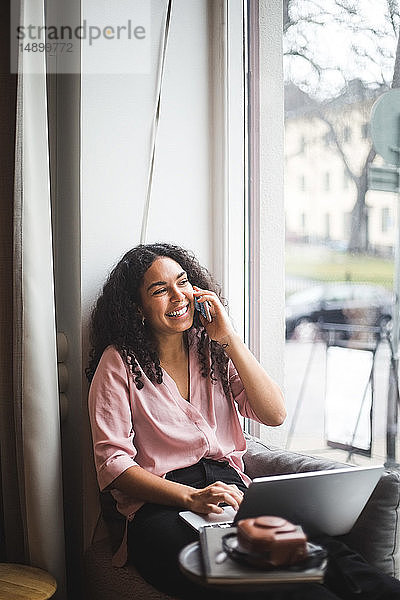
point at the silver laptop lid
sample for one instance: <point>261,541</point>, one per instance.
<point>321,501</point>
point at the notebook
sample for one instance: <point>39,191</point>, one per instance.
<point>322,502</point>
<point>221,569</point>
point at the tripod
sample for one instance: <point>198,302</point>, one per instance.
<point>358,337</point>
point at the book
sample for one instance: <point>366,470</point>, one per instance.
<point>219,568</point>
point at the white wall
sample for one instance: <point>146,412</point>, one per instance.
<point>117,113</point>
<point>116,117</point>
<point>272,267</point>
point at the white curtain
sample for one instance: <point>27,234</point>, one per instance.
<point>35,360</point>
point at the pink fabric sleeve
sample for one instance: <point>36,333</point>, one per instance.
<point>110,419</point>
<point>239,394</point>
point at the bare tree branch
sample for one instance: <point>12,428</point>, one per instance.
<point>302,18</point>
<point>394,14</point>
<point>396,70</point>
<point>349,8</point>
<point>310,61</point>
<point>338,145</point>
<point>362,53</point>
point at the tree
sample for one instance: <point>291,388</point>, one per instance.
<point>396,70</point>
<point>371,46</point>
<point>359,224</point>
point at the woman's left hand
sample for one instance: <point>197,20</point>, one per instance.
<point>263,394</point>
<point>220,329</point>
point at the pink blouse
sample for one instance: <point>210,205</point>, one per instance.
<point>158,429</point>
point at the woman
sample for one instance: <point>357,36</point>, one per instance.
<point>165,386</point>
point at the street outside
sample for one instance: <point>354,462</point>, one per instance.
<point>305,371</point>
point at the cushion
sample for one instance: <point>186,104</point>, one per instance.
<point>375,535</point>
<point>376,532</point>
<point>261,460</point>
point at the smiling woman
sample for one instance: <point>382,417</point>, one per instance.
<point>167,386</point>
<point>127,307</point>
<point>167,297</point>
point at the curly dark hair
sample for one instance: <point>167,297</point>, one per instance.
<point>116,319</point>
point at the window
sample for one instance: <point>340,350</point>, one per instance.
<point>365,131</point>
<point>386,220</point>
<point>347,134</point>
<point>344,235</point>
<point>327,226</point>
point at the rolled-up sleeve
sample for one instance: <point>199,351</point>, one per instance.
<point>111,418</point>
<point>239,394</point>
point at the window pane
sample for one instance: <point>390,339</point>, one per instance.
<point>340,236</point>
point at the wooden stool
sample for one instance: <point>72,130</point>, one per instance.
<point>20,582</point>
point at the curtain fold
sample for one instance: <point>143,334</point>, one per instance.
<point>36,404</point>
<point>11,528</point>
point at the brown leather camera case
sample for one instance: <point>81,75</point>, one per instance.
<point>285,543</point>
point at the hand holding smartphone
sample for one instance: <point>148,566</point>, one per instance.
<point>203,308</point>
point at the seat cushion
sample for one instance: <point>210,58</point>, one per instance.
<point>376,534</point>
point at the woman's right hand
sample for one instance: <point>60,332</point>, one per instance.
<point>207,500</point>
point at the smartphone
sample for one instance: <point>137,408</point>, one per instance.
<point>203,308</point>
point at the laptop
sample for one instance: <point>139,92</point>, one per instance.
<point>322,502</point>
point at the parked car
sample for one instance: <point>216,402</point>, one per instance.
<point>340,303</point>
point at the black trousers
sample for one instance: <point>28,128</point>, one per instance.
<point>157,534</point>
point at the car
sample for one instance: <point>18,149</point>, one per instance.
<point>345,304</point>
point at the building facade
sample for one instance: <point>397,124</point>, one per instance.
<point>326,146</point>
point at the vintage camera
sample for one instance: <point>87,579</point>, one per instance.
<point>271,542</point>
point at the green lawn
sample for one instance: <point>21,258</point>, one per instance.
<point>323,264</point>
